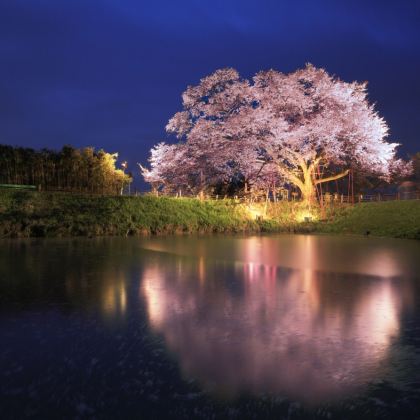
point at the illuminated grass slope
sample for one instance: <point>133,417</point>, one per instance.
<point>34,214</point>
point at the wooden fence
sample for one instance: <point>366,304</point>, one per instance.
<point>283,196</point>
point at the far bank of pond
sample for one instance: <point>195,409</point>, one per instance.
<point>51,214</point>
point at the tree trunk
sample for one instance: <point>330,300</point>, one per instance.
<point>308,181</point>
<point>201,193</point>
<point>308,192</point>
<point>305,183</point>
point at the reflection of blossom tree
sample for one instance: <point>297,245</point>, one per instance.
<point>276,330</point>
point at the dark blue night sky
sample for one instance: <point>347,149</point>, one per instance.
<point>110,73</point>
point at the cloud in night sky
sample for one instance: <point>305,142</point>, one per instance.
<point>110,73</point>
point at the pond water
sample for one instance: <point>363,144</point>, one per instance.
<point>210,327</point>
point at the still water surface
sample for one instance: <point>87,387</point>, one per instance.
<point>182,327</point>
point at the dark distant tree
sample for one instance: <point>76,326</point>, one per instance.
<point>69,169</point>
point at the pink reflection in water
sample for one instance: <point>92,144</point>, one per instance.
<point>256,327</point>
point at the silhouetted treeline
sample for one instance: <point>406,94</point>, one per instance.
<point>69,169</point>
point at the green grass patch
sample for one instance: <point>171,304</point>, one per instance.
<point>397,219</point>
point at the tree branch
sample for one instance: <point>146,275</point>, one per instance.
<point>294,179</point>
<point>315,163</point>
<point>332,178</point>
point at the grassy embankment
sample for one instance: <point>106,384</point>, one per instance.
<point>396,219</point>
<point>26,213</point>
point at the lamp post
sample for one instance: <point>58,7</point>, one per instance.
<point>124,166</point>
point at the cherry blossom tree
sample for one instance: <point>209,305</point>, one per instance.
<point>296,123</point>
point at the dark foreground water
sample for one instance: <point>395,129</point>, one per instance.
<point>210,327</point>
